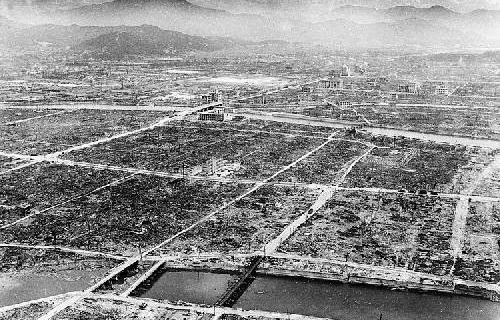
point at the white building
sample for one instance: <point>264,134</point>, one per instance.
<point>216,114</point>
<point>345,104</point>
<point>214,96</point>
<point>346,71</point>
<point>442,89</point>
<point>219,167</point>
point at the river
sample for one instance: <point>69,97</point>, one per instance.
<point>322,298</point>
<point>356,302</point>
<point>390,132</point>
<point>17,287</point>
<point>189,286</point>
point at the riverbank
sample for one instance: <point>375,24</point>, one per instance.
<point>317,294</point>
<point>388,131</point>
<point>281,265</point>
<point>391,278</point>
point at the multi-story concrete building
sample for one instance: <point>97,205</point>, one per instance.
<point>216,114</point>
<point>346,71</point>
<point>214,96</point>
<point>344,104</point>
<point>408,87</point>
<point>219,167</point>
<point>441,89</point>
<point>331,84</point>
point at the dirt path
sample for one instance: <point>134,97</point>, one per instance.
<point>351,166</point>
<point>487,173</point>
<point>34,118</point>
<point>458,229</point>
<point>322,199</point>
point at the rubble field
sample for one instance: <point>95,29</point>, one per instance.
<point>480,257</point>
<point>391,230</point>
<point>9,163</point>
<point>489,185</point>
<point>112,309</point>
<point>182,150</point>
<point>410,164</point>
<point>59,132</point>
<point>247,225</point>
<point>465,121</point>
<point>33,310</point>
<point>326,165</point>
<point>41,186</point>
<point>124,218</point>
<point>27,260</point>
<point>9,115</point>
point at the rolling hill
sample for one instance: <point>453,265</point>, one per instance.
<point>409,32</point>
<point>115,41</point>
<point>480,24</point>
<point>179,15</point>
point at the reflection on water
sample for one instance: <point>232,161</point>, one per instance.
<point>21,288</point>
<point>194,287</point>
<point>342,301</point>
<point>321,298</point>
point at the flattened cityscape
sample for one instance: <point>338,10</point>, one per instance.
<point>251,186</point>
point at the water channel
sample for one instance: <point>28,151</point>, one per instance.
<point>322,298</point>
<point>17,288</point>
<point>194,287</point>
<point>390,132</point>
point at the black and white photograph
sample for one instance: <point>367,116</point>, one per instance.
<point>250,159</point>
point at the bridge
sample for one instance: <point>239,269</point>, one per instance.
<point>236,290</point>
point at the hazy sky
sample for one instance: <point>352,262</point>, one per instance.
<point>455,4</point>
<point>461,5</point>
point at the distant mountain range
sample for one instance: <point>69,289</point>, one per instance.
<point>307,7</point>
<point>410,32</point>
<point>484,24</point>
<point>113,42</point>
<point>30,9</point>
<point>7,28</point>
<point>45,5</point>
<point>346,26</point>
<point>370,15</point>
<point>273,7</point>
<point>179,15</point>
<point>259,6</point>
<point>143,40</point>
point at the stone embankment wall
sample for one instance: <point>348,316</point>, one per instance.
<point>396,278</point>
